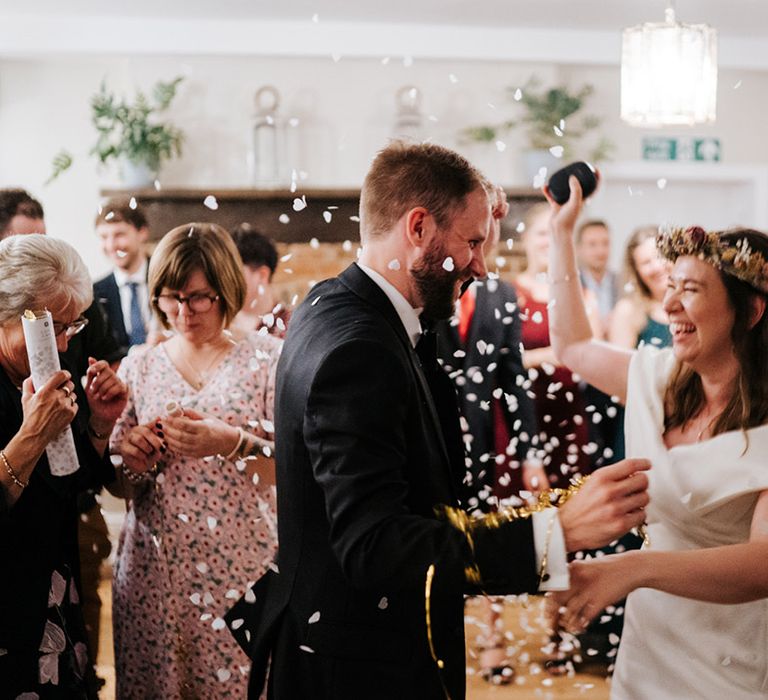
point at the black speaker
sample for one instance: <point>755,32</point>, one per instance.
<point>558,183</point>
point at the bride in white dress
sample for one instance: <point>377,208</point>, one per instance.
<point>699,412</point>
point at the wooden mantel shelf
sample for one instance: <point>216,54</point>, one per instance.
<point>330,215</point>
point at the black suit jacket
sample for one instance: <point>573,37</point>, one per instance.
<point>491,359</point>
<point>362,463</point>
<point>107,293</point>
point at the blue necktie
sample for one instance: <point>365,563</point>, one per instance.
<point>138,335</point>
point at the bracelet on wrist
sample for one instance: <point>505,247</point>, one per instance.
<point>14,476</point>
<point>236,452</point>
<point>139,477</point>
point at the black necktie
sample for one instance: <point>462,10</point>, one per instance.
<point>445,400</point>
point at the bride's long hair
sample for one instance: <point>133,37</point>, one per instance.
<point>748,407</point>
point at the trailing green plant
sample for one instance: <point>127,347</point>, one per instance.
<point>130,130</point>
<point>551,118</point>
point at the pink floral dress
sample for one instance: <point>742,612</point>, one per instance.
<point>195,536</point>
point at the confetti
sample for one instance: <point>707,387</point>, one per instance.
<point>383,603</point>
<point>300,203</point>
<point>393,264</point>
<point>218,624</point>
<point>223,674</point>
<point>211,203</point>
<point>327,216</point>
<point>314,617</point>
<point>448,264</point>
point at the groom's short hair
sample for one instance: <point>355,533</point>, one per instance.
<point>407,175</point>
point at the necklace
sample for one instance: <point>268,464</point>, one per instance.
<point>199,377</point>
<point>706,427</point>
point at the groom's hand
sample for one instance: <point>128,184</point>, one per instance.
<point>611,502</point>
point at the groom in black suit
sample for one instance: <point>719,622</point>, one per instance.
<point>366,600</point>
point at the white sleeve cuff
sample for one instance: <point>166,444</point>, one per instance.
<point>556,574</point>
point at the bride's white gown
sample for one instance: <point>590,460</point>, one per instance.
<point>702,495</point>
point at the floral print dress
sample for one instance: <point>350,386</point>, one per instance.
<point>195,535</point>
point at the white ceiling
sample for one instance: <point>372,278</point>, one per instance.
<point>734,17</point>
<point>558,31</point>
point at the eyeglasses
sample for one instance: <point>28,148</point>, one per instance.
<point>196,303</point>
<point>70,329</point>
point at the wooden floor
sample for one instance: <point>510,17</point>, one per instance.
<point>524,626</point>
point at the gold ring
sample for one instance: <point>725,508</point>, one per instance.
<point>67,391</point>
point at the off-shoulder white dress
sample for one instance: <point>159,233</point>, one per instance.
<point>702,495</point>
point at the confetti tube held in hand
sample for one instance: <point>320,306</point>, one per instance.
<point>43,362</point>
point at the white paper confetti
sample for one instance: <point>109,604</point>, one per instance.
<point>211,203</point>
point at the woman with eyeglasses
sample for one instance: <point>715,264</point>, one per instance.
<point>42,635</point>
<point>194,446</point>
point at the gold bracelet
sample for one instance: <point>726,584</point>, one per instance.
<point>14,476</point>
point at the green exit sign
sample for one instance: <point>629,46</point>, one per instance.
<point>682,148</point>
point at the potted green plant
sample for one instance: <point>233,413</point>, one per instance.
<point>554,125</point>
<point>130,134</point>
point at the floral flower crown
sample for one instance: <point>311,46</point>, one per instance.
<point>737,259</point>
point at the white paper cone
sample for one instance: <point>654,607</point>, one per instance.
<point>43,362</point>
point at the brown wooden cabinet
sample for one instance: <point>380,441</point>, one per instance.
<point>330,215</point>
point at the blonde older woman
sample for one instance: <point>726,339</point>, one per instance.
<point>200,523</point>
<point>699,412</point>
<point>42,635</point>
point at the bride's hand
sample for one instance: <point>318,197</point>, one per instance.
<point>564,216</point>
<point>596,584</point>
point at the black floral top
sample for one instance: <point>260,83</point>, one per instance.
<point>42,634</point>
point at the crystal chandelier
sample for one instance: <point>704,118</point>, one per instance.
<point>668,73</point>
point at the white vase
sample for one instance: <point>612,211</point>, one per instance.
<point>539,166</point>
<point>136,175</point>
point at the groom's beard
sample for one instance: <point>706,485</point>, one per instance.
<point>437,286</point>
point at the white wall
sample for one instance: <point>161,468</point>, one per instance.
<point>346,108</point>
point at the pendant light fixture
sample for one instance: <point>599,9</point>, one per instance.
<point>669,73</point>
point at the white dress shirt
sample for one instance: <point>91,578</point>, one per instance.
<point>557,563</point>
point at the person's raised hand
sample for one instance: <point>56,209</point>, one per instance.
<point>49,409</point>
<point>106,394</point>
<point>142,446</point>
<point>194,434</point>
<point>596,584</point>
<point>564,216</point>
<point>609,504</point>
